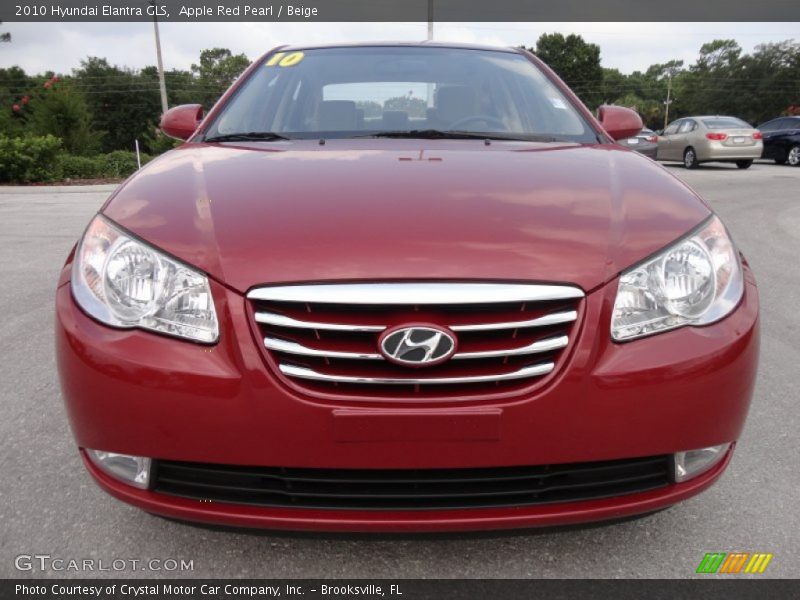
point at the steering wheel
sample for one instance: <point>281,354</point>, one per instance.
<point>489,120</point>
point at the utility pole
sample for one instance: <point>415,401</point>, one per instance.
<point>430,20</point>
<point>161,83</point>
<point>430,38</point>
<point>668,100</point>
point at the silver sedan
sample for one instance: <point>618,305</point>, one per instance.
<point>695,140</point>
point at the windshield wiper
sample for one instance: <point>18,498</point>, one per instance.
<point>434,134</point>
<point>250,136</point>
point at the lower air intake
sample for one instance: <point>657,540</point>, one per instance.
<point>412,489</point>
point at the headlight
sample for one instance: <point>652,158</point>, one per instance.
<point>125,283</point>
<point>696,281</point>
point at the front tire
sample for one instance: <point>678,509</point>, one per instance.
<point>793,156</point>
<point>744,164</point>
<point>690,158</point>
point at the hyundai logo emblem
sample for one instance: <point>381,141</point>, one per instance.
<point>417,345</point>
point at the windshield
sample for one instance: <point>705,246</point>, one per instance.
<point>357,92</point>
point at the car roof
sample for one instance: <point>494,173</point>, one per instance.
<point>419,44</point>
<point>714,117</point>
<point>781,118</point>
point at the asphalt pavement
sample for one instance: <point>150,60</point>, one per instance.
<point>50,506</point>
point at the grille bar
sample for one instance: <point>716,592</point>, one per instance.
<point>304,373</point>
<point>410,489</point>
<point>283,321</point>
<point>547,345</point>
<point>415,293</point>
<point>535,348</point>
<point>187,471</point>
<point>551,319</point>
<point>293,348</point>
<point>398,492</point>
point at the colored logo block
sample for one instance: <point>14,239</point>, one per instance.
<point>734,562</point>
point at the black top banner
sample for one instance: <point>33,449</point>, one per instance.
<point>402,10</point>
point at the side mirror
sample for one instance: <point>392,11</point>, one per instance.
<point>619,122</point>
<point>182,121</point>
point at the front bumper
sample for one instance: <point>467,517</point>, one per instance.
<point>546,515</point>
<point>138,393</point>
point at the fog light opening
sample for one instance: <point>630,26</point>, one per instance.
<point>133,470</point>
<point>692,463</point>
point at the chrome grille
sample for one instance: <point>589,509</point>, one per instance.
<point>324,338</point>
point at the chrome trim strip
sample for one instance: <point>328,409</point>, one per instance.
<point>552,319</point>
<point>303,373</point>
<point>283,321</point>
<point>415,293</point>
<point>293,348</point>
<point>541,346</point>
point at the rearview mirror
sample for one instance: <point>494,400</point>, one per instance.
<point>619,122</point>
<point>182,121</point>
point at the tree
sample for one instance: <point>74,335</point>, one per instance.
<point>371,108</point>
<point>218,68</point>
<point>719,54</point>
<point>63,112</point>
<point>711,84</point>
<point>614,85</point>
<point>124,104</point>
<point>182,88</point>
<point>770,80</point>
<point>415,107</point>
<point>576,62</point>
<point>651,111</point>
<point>15,85</point>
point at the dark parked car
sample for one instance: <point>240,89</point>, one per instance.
<point>331,309</point>
<point>782,140</point>
<point>645,142</point>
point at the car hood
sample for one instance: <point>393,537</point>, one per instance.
<point>406,209</point>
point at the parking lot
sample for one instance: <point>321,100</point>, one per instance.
<point>49,505</point>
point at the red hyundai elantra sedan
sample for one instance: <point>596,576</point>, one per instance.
<point>404,287</point>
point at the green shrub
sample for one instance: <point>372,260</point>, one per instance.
<point>114,165</point>
<point>32,159</point>
<point>120,163</point>
<point>79,167</point>
<point>29,158</point>
<point>157,142</point>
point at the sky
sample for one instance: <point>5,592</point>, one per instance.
<point>59,47</point>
